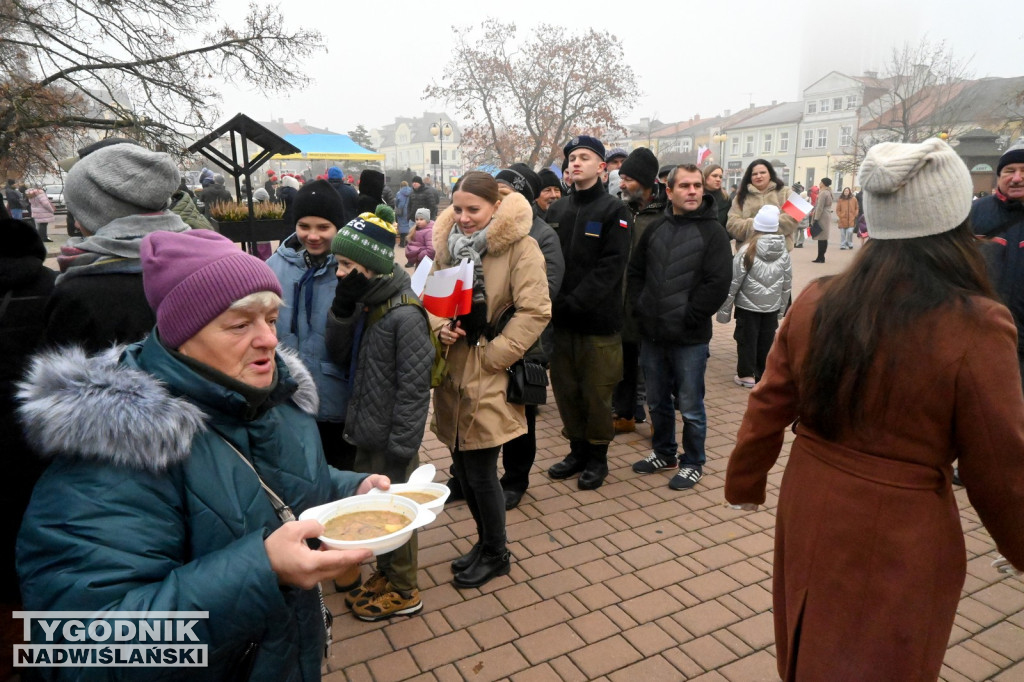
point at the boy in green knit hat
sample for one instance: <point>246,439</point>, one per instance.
<point>377,328</point>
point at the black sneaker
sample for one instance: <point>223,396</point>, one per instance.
<point>654,462</point>
<point>687,477</point>
<point>641,415</point>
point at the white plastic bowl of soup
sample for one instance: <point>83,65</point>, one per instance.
<point>379,523</point>
<point>427,494</point>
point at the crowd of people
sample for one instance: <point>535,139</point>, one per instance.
<point>223,394</point>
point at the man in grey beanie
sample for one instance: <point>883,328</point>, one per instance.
<point>118,195</point>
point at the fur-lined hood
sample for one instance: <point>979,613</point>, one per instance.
<point>511,222</point>
<point>101,409</point>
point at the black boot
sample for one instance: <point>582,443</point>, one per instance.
<point>573,463</point>
<point>466,560</point>
<point>487,566</point>
<point>596,469</point>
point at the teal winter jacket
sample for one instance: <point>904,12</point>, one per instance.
<point>145,507</point>
<point>307,297</point>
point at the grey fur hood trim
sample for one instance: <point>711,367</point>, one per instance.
<point>98,409</point>
<point>512,221</point>
<point>305,398</point>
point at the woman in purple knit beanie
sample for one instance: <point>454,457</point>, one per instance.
<point>179,465</point>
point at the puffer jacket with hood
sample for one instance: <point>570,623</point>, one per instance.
<point>308,293</point>
<point>349,196</point>
<point>145,506</point>
<point>470,403</point>
<point>767,285</point>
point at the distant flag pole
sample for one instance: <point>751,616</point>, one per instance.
<point>797,207</point>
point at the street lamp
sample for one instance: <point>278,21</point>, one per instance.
<point>828,162</point>
<point>720,139</point>
<point>440,130</point>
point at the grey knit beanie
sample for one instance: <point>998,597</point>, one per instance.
<point>118,181</point>
<point>914,190</point>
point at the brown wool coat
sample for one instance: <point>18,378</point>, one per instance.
<point>741,219</point>
<point>869,551</point>
<point>471,403</point>
<point>846,212</point>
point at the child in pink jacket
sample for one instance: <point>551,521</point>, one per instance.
<point>420,244</point>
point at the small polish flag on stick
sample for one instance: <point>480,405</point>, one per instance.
<point>797,206</point>
<point>449,292</point>
<point>702,154</point>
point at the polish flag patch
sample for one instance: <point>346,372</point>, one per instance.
<point>623,223</point>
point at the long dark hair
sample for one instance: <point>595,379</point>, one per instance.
<point>891,285</point>
<point>741,194</point>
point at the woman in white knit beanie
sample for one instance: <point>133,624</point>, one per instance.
<point>890,370</point>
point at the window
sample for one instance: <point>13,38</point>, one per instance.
<point>766,147</point>
<point>808,139</point>
<point>825,106</point>
<point>783,142</point>
<point>735,145</point>
<point>822,137</point>
<point>748,148</point>
<point>846,136</point>
<point>851,101</point>
<point>837,103</point>
<point>812,107</point>
<point>687,144</point>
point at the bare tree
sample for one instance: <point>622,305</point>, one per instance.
<point>923,84</point>
<point>146,68</point>
<point>523,102</point>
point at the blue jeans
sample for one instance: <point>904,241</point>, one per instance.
<point>675,376</point>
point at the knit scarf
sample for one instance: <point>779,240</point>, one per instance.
<point>473,247</point>
<point>115,246</point>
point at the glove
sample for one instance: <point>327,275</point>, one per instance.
<point>350,290</point>
<point>475,321</point>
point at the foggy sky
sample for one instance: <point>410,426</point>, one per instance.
<point>381,55</point>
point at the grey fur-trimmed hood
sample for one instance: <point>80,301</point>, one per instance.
<point>96,408</point>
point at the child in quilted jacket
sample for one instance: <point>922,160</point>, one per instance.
<point>420,244</point>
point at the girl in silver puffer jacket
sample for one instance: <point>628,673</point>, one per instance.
<point>762,280</point>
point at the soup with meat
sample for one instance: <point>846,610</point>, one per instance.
<point>419,497</point>
<point>364,525</point>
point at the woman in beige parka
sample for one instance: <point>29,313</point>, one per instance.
<point>759,187</point>
<point>471,414</point>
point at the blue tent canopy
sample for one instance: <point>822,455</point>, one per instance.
<point>328,147</point>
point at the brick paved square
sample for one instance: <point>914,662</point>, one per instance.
<point>604,657</point>
<point>550,643</point>
<point>491,665</point>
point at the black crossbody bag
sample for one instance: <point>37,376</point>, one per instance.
<point>527,379</point>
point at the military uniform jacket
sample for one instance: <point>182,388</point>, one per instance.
<point>594,230</point>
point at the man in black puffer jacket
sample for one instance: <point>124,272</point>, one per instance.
<point>679,276</point>
<point>586,363</point>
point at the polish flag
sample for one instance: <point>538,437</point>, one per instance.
<point>702,154</point>
<point>797,206</point>
<point>449,292</point>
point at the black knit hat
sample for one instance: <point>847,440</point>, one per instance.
<point>548,178</point>
<point>20,239</point>
<point>320,199</point>
<point>1014,154</point>
<point>416,179</point>
<point>584,142</point>
<point>641,165</point>
<point>371,183</point>
<point>522,179</point>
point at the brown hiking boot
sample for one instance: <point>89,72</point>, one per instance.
<point>389,603</point>
<point>376,584</point>
<point>624,425</point>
